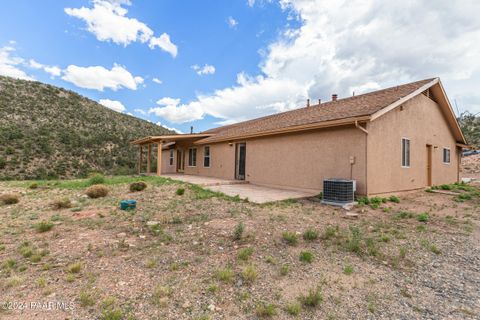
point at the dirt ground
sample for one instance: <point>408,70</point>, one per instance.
<point>471,166</point>
<point>179,257</point>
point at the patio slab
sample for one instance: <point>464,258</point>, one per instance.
<point>254,193</point>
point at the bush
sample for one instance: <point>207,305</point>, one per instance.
<point>61,204</point>
<point>74,268</point>
<point>238,231</point>
<point>180,191</point>
<point>394,199</point>
<point>34,185</point>
<point>446,187</point>
<point>312,299</point>
<point>423,217</point>
<point>138,186</point>
<point>249,274</point>
<point>44,226</point>
<point>290,238</point>
<point>245,253</point>
<point>225,275</point>
<point>96,178</point>
<point>306,256</point>
<point>293,309</point>
<point>9,198</point>
<point>266,310</point>
<point>310,235</point>
<point>97,191</point>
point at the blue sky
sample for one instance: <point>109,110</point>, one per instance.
<point>206,63</point>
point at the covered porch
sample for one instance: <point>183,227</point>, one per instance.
<point>150,150</point>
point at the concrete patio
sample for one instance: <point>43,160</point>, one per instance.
<point>254,193</point>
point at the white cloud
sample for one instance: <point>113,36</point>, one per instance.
<point>140,111</point>
<point>107,20</point>
<point>99,78</point>
<point>164,43</point>
<point>173,112</point>
<point>54,71</point>
<point>156,80</point>
<point>232,23</point>
<point>9,65</point>
<point>206,69</point>
<point>250,3</point>
<point>113,104</point>
<point>169,128</point>
<point>358,46</point>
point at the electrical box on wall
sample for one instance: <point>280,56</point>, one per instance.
<point>352,159</point>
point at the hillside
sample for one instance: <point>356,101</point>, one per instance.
<point>49,132</point>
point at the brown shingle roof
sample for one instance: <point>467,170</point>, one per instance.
<point>352,107</point>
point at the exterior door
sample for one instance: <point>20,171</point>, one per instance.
<point>429,164</point>
<point>180,160</point>
<point>240,157</point>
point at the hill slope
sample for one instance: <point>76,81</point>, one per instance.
<point>49,132</point>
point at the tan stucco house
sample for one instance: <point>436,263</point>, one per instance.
<point>396,139</point>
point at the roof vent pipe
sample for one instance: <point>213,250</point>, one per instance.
<point>308,103</point>
<point>191,129</point>
<point>319,101</point>
<point>334,97</point>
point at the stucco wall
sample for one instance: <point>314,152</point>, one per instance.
<point>166,167</point>
<point>303,160</point>
<point>421,121</point>
<point>222,161</point>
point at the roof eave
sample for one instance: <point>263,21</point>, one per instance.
<point>291,129</point>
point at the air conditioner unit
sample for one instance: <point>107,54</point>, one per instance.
<point>339,191</point>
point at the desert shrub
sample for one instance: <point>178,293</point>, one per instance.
<point>293,309</point>
<point>348,269</point>
<point>61,204</point>
<point>249,274</point>
<point>363,201</point>
<point>44,226</point>
<point>137,186</point>
<point>33,185</point>
<point>238,231</point>
<point>266,310</point>
<point>330,232</point>
<point>96,178</point>
<point>313,298</point>
<point>290,238</point>
<point>97,191</point>
<point>180,191</point>
<point>394,199</point>
<point>74,268</point>
<point>310,235</point>
<point>245,253</point>
<point>462,197</point>
<point>3,163</point>
<point>353,241</point>
<point>423,217</point>
<point>226,274</point>
<point>306,256</point>
<point>9,198</point>
<point>404,215</point>
<point>446,187</point>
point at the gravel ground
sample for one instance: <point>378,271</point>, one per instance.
<point>175,257</point>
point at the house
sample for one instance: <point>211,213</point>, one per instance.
<point>396,139</point>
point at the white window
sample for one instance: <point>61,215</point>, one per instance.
<point>206,157</point>
<point>192,157</point>
<point>171,156</point>
<point>405,152</point>
<point>446,155</point>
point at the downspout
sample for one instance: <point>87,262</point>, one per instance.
<point>358,126</point>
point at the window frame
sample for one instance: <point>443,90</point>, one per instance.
<point>171,157</point>
<point>449,155</point>
<point>192,157</point>
<point>405,154</point>
<point>205,157</point>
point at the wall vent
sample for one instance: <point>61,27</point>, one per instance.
<point>339,191</point>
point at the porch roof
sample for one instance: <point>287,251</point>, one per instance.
<point>171,138</point>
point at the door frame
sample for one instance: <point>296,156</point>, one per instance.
<point>180,160</point>
<point>429,165</point>
<point>238,145</point>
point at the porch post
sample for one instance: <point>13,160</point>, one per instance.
<point>159,159</point>
<point>149,159</point>
<point>140,159</point>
